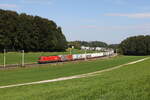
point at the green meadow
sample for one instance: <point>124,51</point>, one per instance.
<point>127,83</point>
<point>130,82</point>
<point>44,72</point>
<point>32,57</point>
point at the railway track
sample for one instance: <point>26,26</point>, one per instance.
<point>34,64</point>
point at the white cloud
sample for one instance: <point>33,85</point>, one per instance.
<point>135,15</point>
<point>8,6</point>
<point>119,2</point>
<point>38,1</point>
<point>134,27</point>
<point>89,26</point>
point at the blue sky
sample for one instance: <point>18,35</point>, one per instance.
<point>110,21</point>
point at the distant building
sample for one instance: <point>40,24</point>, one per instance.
<point>100,49</point>
<point>85,48</point>
<point>96,48</point>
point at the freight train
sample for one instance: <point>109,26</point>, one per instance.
<point>62,58</point>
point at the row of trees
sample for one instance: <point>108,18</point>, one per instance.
<point>31,33</point>
<point>78,44</point>
<point>137,45</point>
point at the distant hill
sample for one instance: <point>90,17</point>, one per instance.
<point>78,44</point>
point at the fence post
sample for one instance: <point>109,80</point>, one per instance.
<point>22,58</point>
<point>70,51</point>
<point>85,54</point>
<point>4,58</point>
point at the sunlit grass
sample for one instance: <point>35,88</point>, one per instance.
<point>32,57</point>
<point>127,83</point>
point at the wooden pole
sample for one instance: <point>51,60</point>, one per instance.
<point>22,57</point>
<point>4,58</point>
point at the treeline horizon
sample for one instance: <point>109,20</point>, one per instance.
<point>35,34</point>
<point>77,44</point>
<point>29,33</point>
<point>136,45</point>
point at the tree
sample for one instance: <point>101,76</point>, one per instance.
<point>78,44</point>
<point>137,45</point>
<point>31,33</point>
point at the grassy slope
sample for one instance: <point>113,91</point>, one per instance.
<point>22,75</point>
<point>126,83</point>
<point>15,57</point>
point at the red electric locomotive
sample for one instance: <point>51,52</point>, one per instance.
<point>47,59</point>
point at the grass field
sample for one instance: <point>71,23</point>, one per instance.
<point>21,75</point>
<point>15,57</point>
<point>127,83</point>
